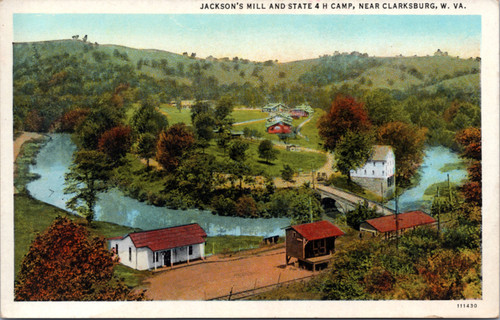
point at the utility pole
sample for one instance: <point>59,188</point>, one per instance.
<point>449,187</point>
<point>439,211</point>
<point>397,223</point>
<point>382,192</point>
<point>310,210</point>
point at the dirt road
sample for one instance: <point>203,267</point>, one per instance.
<point>25,136</point>
<point>216,276</point>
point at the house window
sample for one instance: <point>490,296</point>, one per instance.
<point>365,171</point>
<point>373,172</point>
<point>116,248</point>
<point>129,254</point>
<point>383,172</point>
<point>190,250</point>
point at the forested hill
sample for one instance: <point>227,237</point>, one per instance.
<point>53,77</point>
<point>399,73</point>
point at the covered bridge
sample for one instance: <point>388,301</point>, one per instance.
<point>393,225</point>
<point>161,247</point>
<point>311,243</point>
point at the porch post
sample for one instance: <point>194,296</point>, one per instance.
<point>171,258</point>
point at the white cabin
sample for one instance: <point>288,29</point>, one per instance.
<point>161,247</point>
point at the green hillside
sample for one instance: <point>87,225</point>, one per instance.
<point>391,73</point>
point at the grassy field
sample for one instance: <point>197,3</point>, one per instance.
<point>297,160</point>
<point>227,244</point>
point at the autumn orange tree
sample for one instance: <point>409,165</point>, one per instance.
<point>173,143</point>
<point>470,140</point>
<point>72,119</point>
<point>65,263</point>
<point>346,114</point>
<point>407,142</point>
<point>115,142</point>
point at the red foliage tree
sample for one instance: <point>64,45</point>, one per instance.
<point>407,142</point>
<point>346,114</point>
<point>173,144</point>
<point>470,139</point>
<point>65,264</point>
<point>115,142</point>
<point>72,119</point>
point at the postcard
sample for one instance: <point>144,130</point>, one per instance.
<point>294,159</point>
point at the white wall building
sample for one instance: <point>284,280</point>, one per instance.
<point>378,173</point>
<point>161,247</point>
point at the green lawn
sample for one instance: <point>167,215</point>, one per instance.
<point>297,160</point>
<point>176,116</point>
<point>226,244</point>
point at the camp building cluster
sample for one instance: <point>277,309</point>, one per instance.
<point>310,245</point>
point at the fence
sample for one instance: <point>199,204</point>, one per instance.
<point>255,291</point>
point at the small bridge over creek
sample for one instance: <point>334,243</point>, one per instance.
<point>346,201</point>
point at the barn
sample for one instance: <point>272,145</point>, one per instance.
<point>160,247</point>
<point>389,227</point>
<point>312,244</point>
<point>300,111</point>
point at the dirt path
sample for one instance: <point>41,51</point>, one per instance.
<point>216,276</point>
<point>25,136</point>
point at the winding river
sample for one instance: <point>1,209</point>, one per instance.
<point>113,206</point>
<point>430,173</point>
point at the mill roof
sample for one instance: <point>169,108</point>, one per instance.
<point>318,230</point>
<point>168,238</point>
<point>405,220</point>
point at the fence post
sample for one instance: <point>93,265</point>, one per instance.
<point>230,294</point>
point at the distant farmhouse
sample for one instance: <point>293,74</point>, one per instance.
<point>274,107</point>
<point>389,227</point>
<point>378,173</point>
<point>312,244</point>
<point>279,123</point>
<point>303,110</point>
<point>161,247</point>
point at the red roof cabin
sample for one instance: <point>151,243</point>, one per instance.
<point>312,244</point>
<point>389,227</point>
<point>161,247</point>
<point>279,128</point>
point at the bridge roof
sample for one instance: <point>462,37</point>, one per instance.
<point>405,220</point>
<point>318,230</point>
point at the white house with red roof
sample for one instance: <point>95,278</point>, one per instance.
<point>161,247</point>
<point>378,172</point>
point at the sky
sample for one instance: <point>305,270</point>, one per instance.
<point>263,37</point>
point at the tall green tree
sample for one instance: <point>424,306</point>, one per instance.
<point>267,151</point>
<point>87,177</point>
<point>147,119</point>
<point>352,151</point>
<point>146,146</point>
<point>407,141</point>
